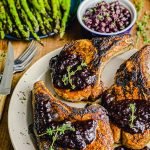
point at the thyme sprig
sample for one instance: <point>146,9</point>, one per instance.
<point>60,130</point>
<point>132,117</point>
<point>67,78</point>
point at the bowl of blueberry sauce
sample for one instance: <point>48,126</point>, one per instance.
<point>106,17</point>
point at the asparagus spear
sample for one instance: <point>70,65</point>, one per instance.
<point>37,5</point>
<point>2,20</point>
<point>40,21</point>
<point>8,19</point>
<point>44,23</point>
<point>59,10</point>
<point>26,20</point>
<point>66,4</point>
<point>32,18</point>
<point>46,19</point>
<point>11,26</point>
<point>2,13</point>
<point>49,10</point>
<point>25,17</point>
<point>2,34</point>
<point>56,13</point>
<point>47,6</point>
<point>16,33</point>
<point>9,23</point>
<point>16,18</point>
<point>47,25</point>
<point>41,3</point>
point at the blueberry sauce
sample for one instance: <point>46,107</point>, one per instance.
<point>132,120</point>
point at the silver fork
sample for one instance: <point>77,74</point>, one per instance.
<point>25,58</point>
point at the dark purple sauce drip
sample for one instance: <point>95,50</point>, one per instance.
<point>81,78</point>
<point>120,113</point>
<point>85,131</point>
<point>124,148</point>
<point>44,113</point>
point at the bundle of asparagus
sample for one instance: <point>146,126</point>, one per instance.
<point>23,18</point>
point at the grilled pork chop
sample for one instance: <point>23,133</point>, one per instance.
<point>128,101</point>
<point>76,71</point>
<point>92,130</point>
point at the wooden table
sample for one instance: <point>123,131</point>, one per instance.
<point>50,44</point>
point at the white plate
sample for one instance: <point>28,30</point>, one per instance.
<point>20,112</point>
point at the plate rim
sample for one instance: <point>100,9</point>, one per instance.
<point>10,130</point>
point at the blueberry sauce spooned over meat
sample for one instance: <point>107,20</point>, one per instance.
<point>132,116</point>
<point>71,72</point>
<point>128,101</point>
<point>59,126</point>
<point>76,71</point>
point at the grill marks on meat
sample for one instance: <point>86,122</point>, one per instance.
<point>85,84</point>
<point>49,112</point>
<point>132,86</point>
<point>132,78</point>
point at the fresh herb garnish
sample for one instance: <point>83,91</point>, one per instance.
<point>138,5</point>
<point>142,25</point>
<point>132,117</point>
<point>67,77</point>
<point>60,130</point>
<point>70,73</point>
<point>142,30</point>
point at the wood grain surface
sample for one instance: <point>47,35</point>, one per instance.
<point>50,44</point>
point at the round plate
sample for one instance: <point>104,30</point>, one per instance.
<point>73,10</point>
<point>20,112</point>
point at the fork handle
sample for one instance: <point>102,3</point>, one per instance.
<point>2,103</point>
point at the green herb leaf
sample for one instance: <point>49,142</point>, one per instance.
<point>132,117</point>
<point>65,127</point>
<point>54,138</point>
<point>142,29</point>
<point>56,132</point>
<point>138,5</point>
<point>72,73</point>
<point>79,68</point>
<point>67,78</point>
<point>49,131</point>
<point>51,148</point>
<point>83,64</point>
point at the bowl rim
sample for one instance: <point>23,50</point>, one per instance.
<point>106,34</point>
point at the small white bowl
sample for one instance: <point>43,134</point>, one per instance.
<point>91,3</point>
